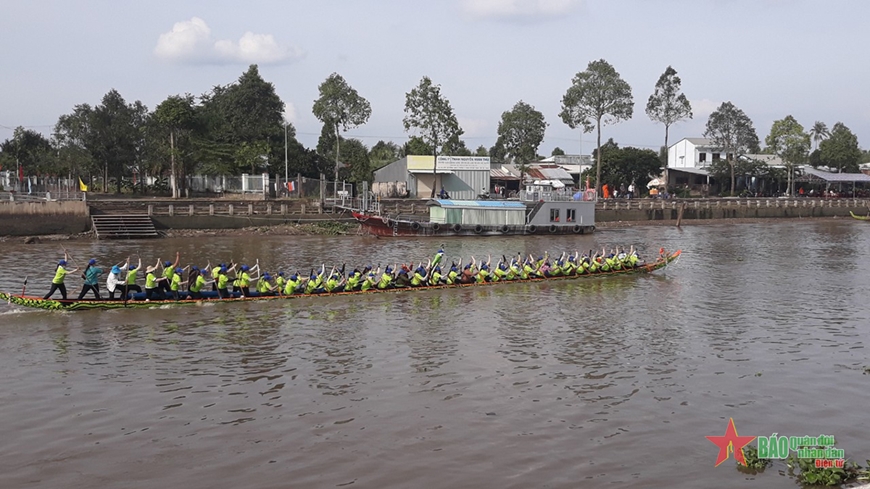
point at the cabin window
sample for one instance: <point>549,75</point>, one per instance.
<point>716,157</point>
<point>554,215</point>
<point>570,215</point>
<point>702,158</point>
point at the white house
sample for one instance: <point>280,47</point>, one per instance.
<point>693,153</point>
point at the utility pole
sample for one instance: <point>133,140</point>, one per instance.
<point>286,175</point>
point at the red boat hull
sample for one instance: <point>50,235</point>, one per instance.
<point>385,226</point>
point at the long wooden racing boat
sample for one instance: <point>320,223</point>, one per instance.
<point>860,218</point>
<point>138,300</point>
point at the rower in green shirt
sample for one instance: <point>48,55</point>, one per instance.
<point>57,282</point>
<point>280,282</point>
<point>264,288</point>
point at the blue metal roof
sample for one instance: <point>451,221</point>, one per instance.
<point>497,204</point>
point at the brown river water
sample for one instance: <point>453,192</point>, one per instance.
<point>600,382</point>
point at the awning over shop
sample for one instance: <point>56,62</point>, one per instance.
<point>811,175</point>
<point>502,175</point>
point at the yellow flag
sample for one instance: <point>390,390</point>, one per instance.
<point>82,186</point>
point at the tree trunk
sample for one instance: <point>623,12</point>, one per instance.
<point>172,182</point>
<point>598,161</point>
<point>733,180</point>
<point>106,176</point>
<point>435,167</point>
<point>667,155</point>
<point>337,150</point>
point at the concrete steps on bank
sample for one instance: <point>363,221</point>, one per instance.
<point>123,226</point>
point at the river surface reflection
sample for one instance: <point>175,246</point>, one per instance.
<point>594,382</point>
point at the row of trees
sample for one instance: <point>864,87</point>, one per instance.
<point>240,128</point>
<point>731,129</point>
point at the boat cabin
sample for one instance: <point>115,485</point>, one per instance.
<point>477,212</point>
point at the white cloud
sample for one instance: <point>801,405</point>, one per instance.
<point>186,40</point>
<point>191,41</point>
<point>290,114</point>
<point>703,108</point>
<point>474,128</point>
<point>518,9</point>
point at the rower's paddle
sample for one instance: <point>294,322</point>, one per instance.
<point>24,287</point>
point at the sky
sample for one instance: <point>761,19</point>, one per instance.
<point>770,58</point>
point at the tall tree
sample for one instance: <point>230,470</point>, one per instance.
<point>327,147</point>
<point>841,150</point>
<point>429,112</point>
<point>730,129</point>
<point>357,168</point>
<point>341,107</point>
<point>668,105</point>
<point>788,140</point>
<point>76,140</point>
<point>248,111</point>
<point>557,151</point>
<point>416,146</point>
<point>597,97</point>
<point>28,152</point>
<point>455,147</point>
<point>383,153</point>
<point>481,151</point>
<point>819,132</point>
<point>522,129</point>
<point>498,153</point>
<point>115,135</point>
<point>176,116</point>
<point>624,166</point>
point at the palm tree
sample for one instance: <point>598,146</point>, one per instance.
<point>819,132</point>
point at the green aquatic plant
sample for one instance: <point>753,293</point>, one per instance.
<point>809,475</point>
<point>750,454</point>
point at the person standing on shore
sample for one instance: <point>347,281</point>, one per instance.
<point>91,275</point>
<point>57,282</point>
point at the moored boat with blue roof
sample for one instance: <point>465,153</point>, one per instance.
<point>544,213</point>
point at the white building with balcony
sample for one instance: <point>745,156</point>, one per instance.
<point>693,153</point>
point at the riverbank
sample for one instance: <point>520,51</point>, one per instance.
<point>320,228</point>
<point>711,222</point>
<point>343,228</point>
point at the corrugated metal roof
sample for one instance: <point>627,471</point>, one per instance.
<point>556,174</point>
<point>834,177</point>
<point>495,204</point>
<point>535,174</point>
<point>502,174</point>
<point>700,141</point>
<point>691,169</point>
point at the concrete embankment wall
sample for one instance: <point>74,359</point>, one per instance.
<point>43,217</point>
<point>72,217</point>
<point>238,222</point>
<point>702,210</point>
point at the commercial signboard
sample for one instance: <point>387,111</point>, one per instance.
<point>449,163</point>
